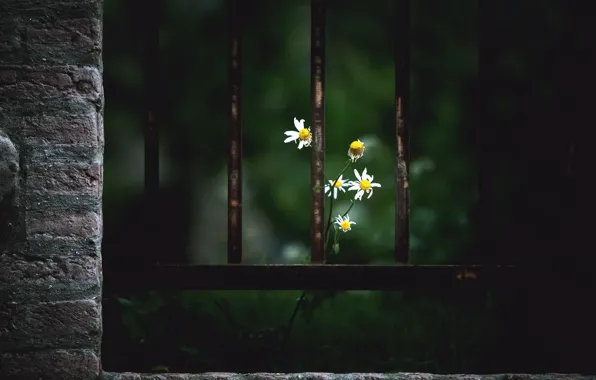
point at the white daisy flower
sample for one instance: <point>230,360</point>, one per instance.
<point>356,150</point>
<point>339,185</point>
<point>303,134</point>
<point>364,184</point>
<point>344,223</point>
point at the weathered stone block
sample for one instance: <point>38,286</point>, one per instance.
<point>64,178</point>
<point>332,376</point>
<point>8,77</point>
<point>9,166</point>
<point>27,83</point>
<point>50,32</point>
<point>22,117</point>
<point>50,365</point>
<point>61,129</point>
<point>164,376</point>
<point>49,247</point>
<point>37,201</point>
<point>31,279</point>
<point>74,224</point>
<point>66,154</point>
<point>10,213</point>
<point>73,324</point>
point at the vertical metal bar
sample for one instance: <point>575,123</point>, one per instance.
<point>235,134</point>
<point>402,128</point>
<point>153,8</point>
<point>483,100</point>
<point>317,165</point>
<point>152,96</point>
<point>490,46</point>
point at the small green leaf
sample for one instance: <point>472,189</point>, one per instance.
<point>336,248</point>
<point>160,368</point>
<point>125,302</point>
<point>316,188</point>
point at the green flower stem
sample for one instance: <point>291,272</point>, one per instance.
<point>331,202</point>
<point>291,322</point>
<point>336,233</point>
<point>349,208</point>
<point>335,239</point>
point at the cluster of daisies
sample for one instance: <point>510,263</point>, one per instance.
<point>363,184</point>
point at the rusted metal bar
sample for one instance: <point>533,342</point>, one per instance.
<point>235,134</point>
<point>315,277</point>
<point>153,95</point>
<point>152,80</point>
<point>402,131</point>
<point>317,165</point>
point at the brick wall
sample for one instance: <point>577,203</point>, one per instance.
<point>51,146</point>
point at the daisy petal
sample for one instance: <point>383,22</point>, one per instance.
<point>299,124</point>
<point>291,133</point>
<point>291,138</point>
<point>357,175</point>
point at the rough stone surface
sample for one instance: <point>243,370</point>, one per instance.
<point>330,376</point>
<point>63,223</point>
<point>50,279</point>
<point>50,325</point>
<point>9,166</point>
<point>62,203</point>
<point>51,148</point>
<point>50,365</point>
<point>64,178</point>
<point>52,83</point>
<point>44,247</point>
<point>50,32</point>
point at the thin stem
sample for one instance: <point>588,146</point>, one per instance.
<point>331,202</point>
<point>303,295</point>
<point>326,240</point>
<point>336,238</point>
<point>349,208</point>
<point>291,321</point>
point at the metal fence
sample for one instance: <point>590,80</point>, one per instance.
<point>318,274</point>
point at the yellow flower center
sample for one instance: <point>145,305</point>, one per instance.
<point>338,184</point>
<point>345,225</point>
<point>356,147</point>
<point>365,184</point>
<point>304,134</point>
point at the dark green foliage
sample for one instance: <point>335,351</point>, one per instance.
<point>347,332</point>
<point>244,331</point>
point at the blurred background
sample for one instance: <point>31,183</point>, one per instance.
<point>348,331</point>
<point>359,104</point>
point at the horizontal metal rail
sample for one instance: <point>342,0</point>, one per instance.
<point>313,277</point>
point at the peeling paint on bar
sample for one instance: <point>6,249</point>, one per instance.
<point>235,29</point>
<point>317,166</point>
<point>402,132</point>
